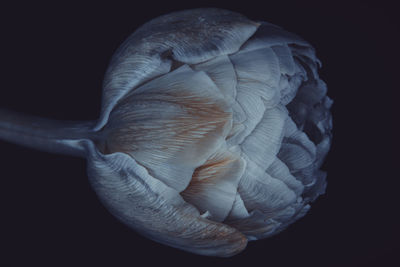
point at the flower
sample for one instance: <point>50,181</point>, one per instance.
<point>212,132</point>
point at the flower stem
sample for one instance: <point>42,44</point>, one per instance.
<point>62,137</point>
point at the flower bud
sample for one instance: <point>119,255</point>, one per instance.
<point>212,132</point>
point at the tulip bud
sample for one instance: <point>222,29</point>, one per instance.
<point>212,132</point>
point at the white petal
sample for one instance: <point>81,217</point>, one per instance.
<point>257,72</point>
<point>239,210</point>
<point>281,172</point>
<point>221,71</point>
<point>214,184</point>
<point>155,210</point>
<point>150,50</point>
<point>268,35</point>
<point>255,226</point>
<point>121,77</point>
<point>289,86</point>
<point>252,107</point>
<point>301,139</point>
<point>260,191</point>
<point>262,145</point>
<point>285,57</point>
<point>306,176</point>
<point>171,125</point>
<point>295,156</point>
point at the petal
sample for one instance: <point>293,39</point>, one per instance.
<point>312,92</point>
<point>214,184</point>
<point>262,145</point>
<point>295,156</point>
<point>257,72</point>
<point>155,210</point>
<point>262,192</point>
<point>280,171</point>
<point>318,188</point>
<point>268,35</point>
<point>306,176</point>
<point>255,226</point>
<point>239,210</point>
<point>151,49</point>
<point>221,71</point>
<point>171,125</point>
<point>297,137</point>
<point>289,85</point>
<point>252,107</point>
<point>285,57</point>
<point>305,52</point>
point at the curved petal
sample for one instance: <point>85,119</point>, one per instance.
<point>268,35</point>
<point>258,73</point>
<point>239,210</point>
<point>221,71</point>
<point>171,125</point>
<point>262,192</point>
<point>262,145</point>
<point>280,171</point>
<point>255,226</point>
<point>155,210</point>
<point>214,184</point>
<point>295,156</point>
<point>188,36</point>
<point>285,57</point>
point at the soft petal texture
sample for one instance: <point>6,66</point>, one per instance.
<point>265,141</point>
<point>251,108</point>
<point>238,210</point>
<point>262,192</point>
<point>221,71</point>
<point>156,210</point>
<point>234,118</point>
<point>295,156</point>
<point>256,225</point>
<point>171,125</point>
<point>280,171</point>
<point>285,58</point>
<point>214,184</point>
<point>188,36</point>
<point>268,35</point>
<point>258,73</point>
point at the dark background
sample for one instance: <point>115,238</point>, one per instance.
<point>53,58</point>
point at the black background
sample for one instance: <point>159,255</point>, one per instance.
<point>53,58</point>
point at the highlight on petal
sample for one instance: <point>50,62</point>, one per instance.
<point>285,58</point>
<point>154,209</point>
<point>171,125</point>
<point>255,226</point>
<point>262,145</point>
<point>280,171</point>
<point>260,191</point>
<point>214,184</point>
<point>258,72</point>
<point>184,36</point>
<point>221,71</point>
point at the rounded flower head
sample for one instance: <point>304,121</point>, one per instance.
<point>215,127</point>
<point>212,132</point>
